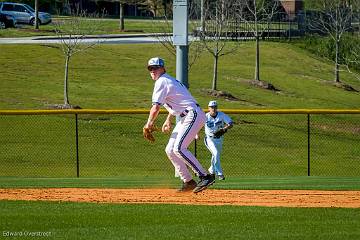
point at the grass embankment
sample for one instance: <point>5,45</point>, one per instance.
<point>113,77</point>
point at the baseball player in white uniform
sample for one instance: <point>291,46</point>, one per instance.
<point>177,100</point>
<point>217,124</point>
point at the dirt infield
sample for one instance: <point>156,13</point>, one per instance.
<point>269,198</point>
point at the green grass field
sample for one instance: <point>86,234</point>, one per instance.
<point>116,221</point>
<point>244,183</point>
<point>262,152</point>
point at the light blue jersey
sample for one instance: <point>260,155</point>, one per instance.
<point>214,123</point>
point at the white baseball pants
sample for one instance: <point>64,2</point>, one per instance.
<point>215,147</point>
<point>181,137</point>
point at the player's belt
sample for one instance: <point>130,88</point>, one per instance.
<point>215,137</point>
<point>186,111</point>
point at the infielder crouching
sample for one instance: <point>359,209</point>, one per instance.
<point>178,101</point>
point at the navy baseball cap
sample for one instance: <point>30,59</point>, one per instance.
<point>156,62</point>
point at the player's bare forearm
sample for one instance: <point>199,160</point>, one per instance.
<point>169,117</point>
<point>167,124</point>
<point>228,126</point>
<point>154,112</point>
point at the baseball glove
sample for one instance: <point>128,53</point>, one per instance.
<point>219,132</point>
<point>147,133</point>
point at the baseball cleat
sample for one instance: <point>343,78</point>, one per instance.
<point>187,186</point>
<point>221,177</point>
<point>204,183</point>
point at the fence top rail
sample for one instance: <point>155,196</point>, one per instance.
<point>145,111</point>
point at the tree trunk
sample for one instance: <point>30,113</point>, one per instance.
<point>202,15</point>
<point>257,39</point>
<point>36,15</point>
<point>81,5</point>
<point>66,88</point>
<point>214,83</point>
<point>165,7</point>
<point>337,70</point>
<point>337,45</point>
<point>66,8</point>
<point>257,58</point>
<point>223,17</point>
<point>358,17</point>
<point>122,24</point>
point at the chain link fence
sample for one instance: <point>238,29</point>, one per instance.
<point>91,144</point>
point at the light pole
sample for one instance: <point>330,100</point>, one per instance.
<point>180,39</point>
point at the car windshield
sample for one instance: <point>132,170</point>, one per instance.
<point>29,8</point>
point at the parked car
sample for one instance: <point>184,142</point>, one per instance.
<point>7,21</point>
<point>23,13</point>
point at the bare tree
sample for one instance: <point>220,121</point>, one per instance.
<point>73,33</point>
<point>66,7</point>
<point>353,60</point>
<point>219,17</point>
<point>351,63</point>
<point>333,19</point>
<point>257,14</point>
<point>167,5</point>
<point>154,6</point>
<point>355,5</point>
<point>122,4</point>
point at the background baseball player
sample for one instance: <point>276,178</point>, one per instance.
<point>177,100</point>
<point>217,124</point>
